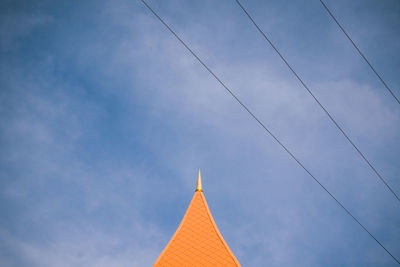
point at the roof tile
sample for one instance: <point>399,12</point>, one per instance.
<point>197,241</point>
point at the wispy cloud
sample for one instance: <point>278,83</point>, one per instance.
<point>106,120</point>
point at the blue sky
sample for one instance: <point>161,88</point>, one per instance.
<point>105,119</point>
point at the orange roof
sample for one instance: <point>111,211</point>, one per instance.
<point>197,241</point>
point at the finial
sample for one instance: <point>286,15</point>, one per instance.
<point>199,187</point>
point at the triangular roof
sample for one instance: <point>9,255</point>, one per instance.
<point>197,241</point>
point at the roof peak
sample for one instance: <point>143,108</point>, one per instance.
<point>199,187</point>
<point>197,241</point>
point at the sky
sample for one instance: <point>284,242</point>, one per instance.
<point>105,119</point>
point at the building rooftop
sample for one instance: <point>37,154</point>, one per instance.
<point>197,241</point>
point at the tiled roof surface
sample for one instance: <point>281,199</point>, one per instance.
<point>197,242</point>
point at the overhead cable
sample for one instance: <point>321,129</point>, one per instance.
<point>319,103</point>
<point>263,126</point>
<point>361,53</point>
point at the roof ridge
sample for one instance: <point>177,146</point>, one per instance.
<point>217,230</point>
<point>175,234</point>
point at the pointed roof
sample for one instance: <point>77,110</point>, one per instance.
<point>197,241</point>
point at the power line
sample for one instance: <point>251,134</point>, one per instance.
<point>359,51</point>
<point>318,102</point>
<point>262,125</point>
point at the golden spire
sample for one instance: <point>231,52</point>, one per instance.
<point>199,187</point>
